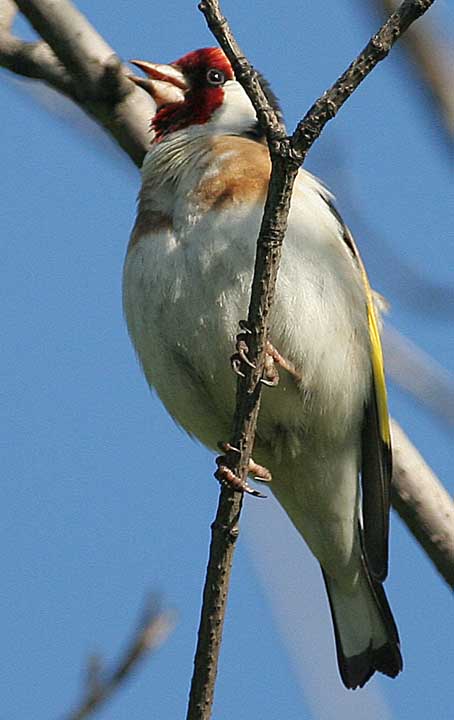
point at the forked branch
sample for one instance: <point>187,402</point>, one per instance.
<point>287,153</point>
<point>74,59</point>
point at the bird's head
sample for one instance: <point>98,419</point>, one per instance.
<point>199,89</point>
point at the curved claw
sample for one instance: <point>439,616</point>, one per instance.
<point>245,327</point>
<point>242,351</point>
<point>227,447</point>
<point>254,493</point>
<point>228,478</point>
<point>260,472</point>
<point>270,383</point>
<point>235,364</point>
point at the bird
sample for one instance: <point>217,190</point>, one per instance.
<point>323,430</point>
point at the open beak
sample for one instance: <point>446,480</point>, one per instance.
<point>165,83</point>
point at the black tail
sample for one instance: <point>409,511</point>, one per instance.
<point>367,639</point>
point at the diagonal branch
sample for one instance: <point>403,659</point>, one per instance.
<point>77,61</point>
<point>34,60</point>
<point>378,47</point>
<point>244,71</point>
<point>423,504</point>
<point>286,156</point>
<point>153,629</point>
<point>78,46</point>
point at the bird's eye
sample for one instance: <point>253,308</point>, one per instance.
<point>215,77</point>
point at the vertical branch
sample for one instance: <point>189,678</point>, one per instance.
<point>224,532</point>
<point>286,156</point>
<point>225,528</point>
<point>74,59</point>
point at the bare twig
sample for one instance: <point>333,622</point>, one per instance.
<point>286,156</point>
<point>74,51</point>
<point>244,72</point>
<point>423,504</point>
<point>153,629</point>
<point>326,107</point>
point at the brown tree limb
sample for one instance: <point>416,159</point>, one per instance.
<point>100,89</point>
<point>286,156</point>
<point>153,629</point>
<point>423,504</point>
<point>77,61</point>
<point>8,11</point>
<point>78,46</point>
<point>34,60</point>
<point>244,71</point>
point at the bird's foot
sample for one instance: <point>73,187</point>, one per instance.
<point>270,376</point>
<point>273,360</point>
<point>240,357</point>
<point>227,477</point>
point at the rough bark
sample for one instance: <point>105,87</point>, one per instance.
<point>74,59</point>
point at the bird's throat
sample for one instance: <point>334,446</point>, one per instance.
<point>197,109</point>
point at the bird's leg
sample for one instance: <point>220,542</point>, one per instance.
<point>270,372</point>
<point>275,358</point>
<point>227,477</point>
<point>259,472</point>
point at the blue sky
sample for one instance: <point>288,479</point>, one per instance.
<point>104,497</point>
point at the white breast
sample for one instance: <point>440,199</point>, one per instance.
<point>185,291</point>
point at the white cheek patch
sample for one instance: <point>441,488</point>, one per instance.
<point>236,114</point>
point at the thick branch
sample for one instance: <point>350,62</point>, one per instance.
<point>101,685</point>
<point>76,60</point>
<point>100,88</point>
<point>73,39</point>
<point>285,156</point>
<point>423,504</point>
<point>8,11</point>
<point>34,60</point>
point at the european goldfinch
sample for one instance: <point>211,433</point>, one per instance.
<point>323,431</point>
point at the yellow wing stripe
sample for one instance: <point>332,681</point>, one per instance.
<point>378,367</point>
<point>378,371</point>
